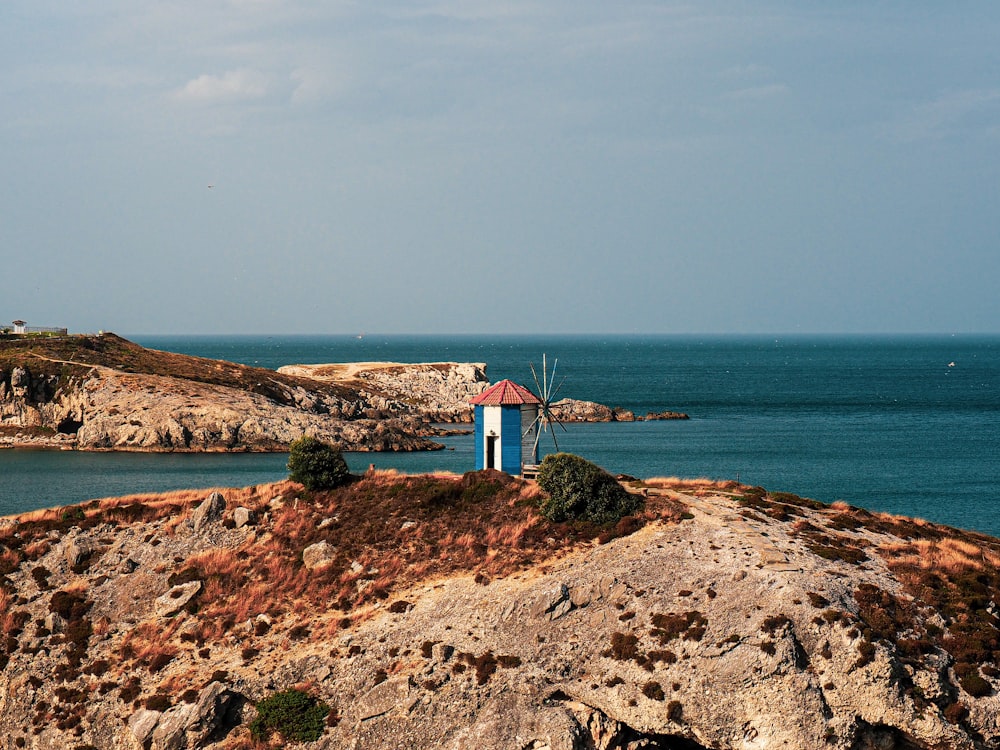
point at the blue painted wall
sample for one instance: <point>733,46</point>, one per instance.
<point>509,442</point>
<point>480,444</point>
<point>510,439</point>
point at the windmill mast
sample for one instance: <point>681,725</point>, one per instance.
<point>546,420</point>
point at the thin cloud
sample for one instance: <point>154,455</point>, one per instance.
<point>746,71</point>
<point>231,86</point>
<point>955,112</point>
<point>756,93</point>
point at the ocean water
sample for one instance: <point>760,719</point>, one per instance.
<point>908,425</point>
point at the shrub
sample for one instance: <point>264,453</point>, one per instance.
<point>653,691</point>
<point>297,716</point>
<point>580,490</point>
<point>317,465</point>
<point>975,685</point>
<point>158,702</point>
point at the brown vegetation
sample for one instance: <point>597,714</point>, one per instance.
<point>73,356</point>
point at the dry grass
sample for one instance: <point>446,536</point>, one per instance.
<point>108,350</point>
<point>948,555</point>
<point>390,531</point>
<point>698,484</point>
<point>9,619</point>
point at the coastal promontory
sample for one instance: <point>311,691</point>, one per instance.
<point>429,612</point>
<point>103,392</point>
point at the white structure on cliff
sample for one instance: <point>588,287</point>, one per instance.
<point>506,417</point>
<point>20,327</point>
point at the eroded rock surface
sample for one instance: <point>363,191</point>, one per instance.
<point>747,621</point>
<point>78,392</point>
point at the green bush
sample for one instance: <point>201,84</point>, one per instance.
<point>296,715</point>
<point>317,465</point>
<point>580,490</point>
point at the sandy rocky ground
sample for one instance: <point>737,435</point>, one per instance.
<point>706,633</point>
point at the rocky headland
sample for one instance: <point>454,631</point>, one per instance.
<point>106,393</point>
<point>436,391</point>
<point>440,391</point>
<point>445,612</point>
<point>103,392</point>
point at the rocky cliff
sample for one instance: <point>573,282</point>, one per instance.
<point>106,393</point>
<point>440,391</point>
<point>443,612</point>
<point>436,391</point>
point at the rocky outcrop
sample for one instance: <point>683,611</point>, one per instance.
<point>168,402</point>
<point>435,391</point>
<point>570,410</point>
<point>440,391</point>
<point>731,619</point>
<point>654,416</point>
<point>105,393</point>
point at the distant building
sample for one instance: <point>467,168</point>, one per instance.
<point>505,416</point>
<point>21,327</point>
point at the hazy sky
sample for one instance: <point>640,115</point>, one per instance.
<point>505,166</point>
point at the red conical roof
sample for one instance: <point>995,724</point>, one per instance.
<point>505,393</point>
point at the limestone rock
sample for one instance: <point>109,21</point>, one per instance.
<point>77,549</point>
<point>208,512</point>
<point>142,723</point>
<point>210,711</point>
<point>552,603</point>
<point>722,631</point>
<point>204,406</point>
<point>383,698</point>
<point>243,517</point>
<point>176,598</point>
<point>170,732</point>
<point>54,622</point>
<point>319,554</point>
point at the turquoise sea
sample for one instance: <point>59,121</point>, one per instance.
<point>909,425</point>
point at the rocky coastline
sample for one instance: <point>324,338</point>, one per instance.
<point>104,393</point>
<point>722,616</point>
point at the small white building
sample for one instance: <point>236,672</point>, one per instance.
<point>506,417</point>
<point>21,327</point>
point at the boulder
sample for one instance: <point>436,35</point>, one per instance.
<point>319,554</point>
<point>244,517</point>
<point>175,599</point>
<point>552,603</point>
<point>55,623</point>
<point>209,714</point>
<point>208,512</point>
<point>142,723</point>
<point>383,698</point>
<point>77,549</point>
<point>171,730</point>
<point>188,725</point>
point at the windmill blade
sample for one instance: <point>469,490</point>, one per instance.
<point>534,423</point>
<point>553,396</point>
<point>548,388</point>
<point>551,418</point>
<point>547,391</point>
<point>535,376</point>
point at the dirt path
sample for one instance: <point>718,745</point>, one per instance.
<point>716,511</point>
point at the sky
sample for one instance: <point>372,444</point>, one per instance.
<point>440,166</point>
